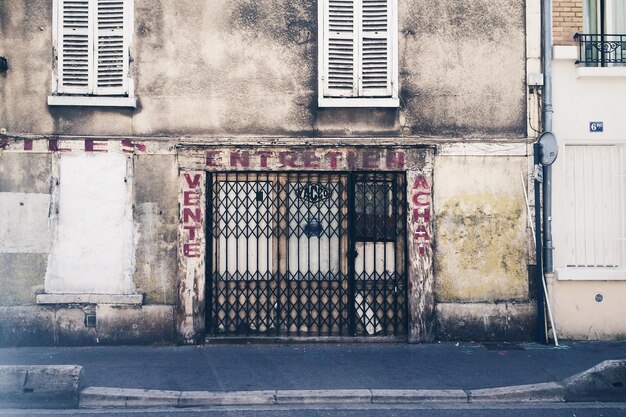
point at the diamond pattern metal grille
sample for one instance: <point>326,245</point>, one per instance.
<point>287,259</point>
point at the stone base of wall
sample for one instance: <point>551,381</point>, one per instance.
<point>64,325</point>
<point>486,322</point>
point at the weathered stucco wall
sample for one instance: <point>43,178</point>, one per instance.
<point>32,207</point>
<point>250,67</point>
<point>462,67</point>
<point>480,229</point>
<point>64,325</point>
<point>30,204</point>
<point>239,66</point>
<point>491,322</point>
<point>26,42</point>
<point>156,219</point>
<point>25,183</point>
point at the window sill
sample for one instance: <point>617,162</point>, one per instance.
<point>591,274</point>
<point>135,299</point>
<point>358,102</point>
<point>597,72</point>
<point>100,101</point>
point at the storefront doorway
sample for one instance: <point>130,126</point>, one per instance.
<point>306,254</point>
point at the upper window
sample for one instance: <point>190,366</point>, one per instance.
<point>605,16</point>
<point>91,45</point>
<point>604,41</point>
<point>358,53</point>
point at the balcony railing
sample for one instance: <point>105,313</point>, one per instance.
<point>601,50</point>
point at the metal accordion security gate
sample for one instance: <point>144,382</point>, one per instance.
<point>306,254</point>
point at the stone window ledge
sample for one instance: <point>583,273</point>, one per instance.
<point>570,53</point>
<point>591,274</point>
<point>136,299</point>
<point>100,101</point>
<point>601,72</point>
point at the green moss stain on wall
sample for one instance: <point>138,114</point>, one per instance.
<point>481,248</point>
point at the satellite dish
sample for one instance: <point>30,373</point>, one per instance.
<point>549,148</point>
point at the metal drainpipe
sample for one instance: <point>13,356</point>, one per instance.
<point>541,326</point>
<point>546,23</point>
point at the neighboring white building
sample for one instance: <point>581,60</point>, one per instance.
<point>589,218</point>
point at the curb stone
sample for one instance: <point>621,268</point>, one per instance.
<point>408,396</point>
<point>339,396</point>
<point>104,397</point>
<point>40,386</point>
<point>200,398</point>
<point>544,392</point>
<point>604,382</point>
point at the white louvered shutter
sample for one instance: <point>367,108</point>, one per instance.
<point>111,48</point>
<point>75,46</point>
<point>340,39</point>
<point>375,64</point>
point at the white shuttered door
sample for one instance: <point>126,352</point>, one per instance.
<point>75,40</point>
<point>93,47</point>
<point>357,48</point>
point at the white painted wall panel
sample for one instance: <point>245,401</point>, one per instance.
<point>93,249</point>
<point>24,223</point>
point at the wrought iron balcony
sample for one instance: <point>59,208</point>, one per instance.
<point>601,49</point>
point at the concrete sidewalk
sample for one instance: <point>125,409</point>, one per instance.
<point>262,367</point>
<point>320,374</point>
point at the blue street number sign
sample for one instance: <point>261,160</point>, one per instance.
<point>596,127</point>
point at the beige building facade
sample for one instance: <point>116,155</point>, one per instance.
<point>172,171</point>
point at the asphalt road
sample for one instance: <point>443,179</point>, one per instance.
<point>545,410</point>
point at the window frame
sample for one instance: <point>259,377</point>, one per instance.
<point>604,23</point>
<point>93,99</point>
<point>356,101</point>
